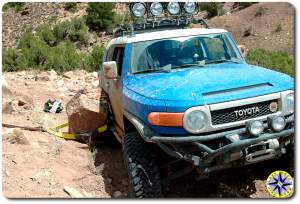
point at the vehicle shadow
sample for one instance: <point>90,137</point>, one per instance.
<point>244,182</point>
<point>108,158</point>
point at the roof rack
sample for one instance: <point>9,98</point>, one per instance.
<point>158,25</point>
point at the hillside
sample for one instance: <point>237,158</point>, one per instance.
<point>33,15</point>
<point>264,25</point>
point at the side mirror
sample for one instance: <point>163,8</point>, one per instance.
<point>110,70</point>
<point>242,49</point>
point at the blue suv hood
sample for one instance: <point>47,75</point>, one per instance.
<point>210,84</point>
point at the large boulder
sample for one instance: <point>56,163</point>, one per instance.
<point>84,114</point>
<point>7,106</point>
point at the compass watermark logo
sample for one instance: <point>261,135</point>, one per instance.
<point>280,184</point>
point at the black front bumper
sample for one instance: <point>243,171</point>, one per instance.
<point>173,145</point>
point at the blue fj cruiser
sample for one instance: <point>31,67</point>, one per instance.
<point>184,98</point>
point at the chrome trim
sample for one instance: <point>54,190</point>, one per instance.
<point>219,106</point>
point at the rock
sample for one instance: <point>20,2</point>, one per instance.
<point>124,182</point>
<point>68,75</point>
<point>7,106</point>
<point>52,72</point>
<point>108,180</point>
<point>15,136</point>
<point>42,78</point>
<point>21,102</point>
<point>5,88</point>
<point>22,73</point>
<point>99,169</point>
<point>29,76</point>
<point>60,83</point>
<point>86,194</point>
<point>117,194</point>
<point>95,83</point>
<point>35,145</point>
<point>52,182</point>
<point>84,116</point>
<point>73,192</point>
<point>7,173</point>
<point>88,79</point>
<point>95,74</point>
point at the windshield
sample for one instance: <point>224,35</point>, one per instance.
<point>181,52</point>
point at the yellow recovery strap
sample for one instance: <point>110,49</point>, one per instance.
<point>55,131</point>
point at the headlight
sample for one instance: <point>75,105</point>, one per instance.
<point>290,103</point>
<point>190,7</point>
<point>138,9</point>
<point>277,123</point>
<point>173,8</point>
<point>255,127</point>
<point>194,121</point>
<point>156,8</point>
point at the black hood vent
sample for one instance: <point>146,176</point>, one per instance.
<point>237,89</point>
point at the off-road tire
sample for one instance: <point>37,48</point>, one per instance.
<point>143,172</point>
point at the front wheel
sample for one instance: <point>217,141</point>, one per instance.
<point>143,171</point>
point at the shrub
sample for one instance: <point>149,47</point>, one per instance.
<point>278,28</point>
<point>243,5</point>
<point>37,54</point>
<point>122,19</point>
<point>78,31</point>
<point>46,34</point>
<point>26,40</point>
<point>60,31</point>
<point>260,11</point>
<point>100,16</point>
<point>70,6</point>
<point>211,8</point>
<point>53,49</point>
<point>75,30</point>
<point>13,60</point>
<point>17,6</point>
<point>63,58</point>
<point>279,61</point>
<point>93,61</point>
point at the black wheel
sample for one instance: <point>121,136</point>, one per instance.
<point>143,172</point>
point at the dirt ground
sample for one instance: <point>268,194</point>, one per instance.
<point>40,165</point>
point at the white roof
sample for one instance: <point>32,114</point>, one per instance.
<point>164,34</point>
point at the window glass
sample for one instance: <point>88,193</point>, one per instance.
<point>176,52</point>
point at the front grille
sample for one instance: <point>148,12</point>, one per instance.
<point>228,115</point>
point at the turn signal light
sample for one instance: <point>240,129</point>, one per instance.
<point>166,119</point>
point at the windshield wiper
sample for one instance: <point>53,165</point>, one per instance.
<point>187,65</point>
<point>152,70</point>
<point>223,60</point>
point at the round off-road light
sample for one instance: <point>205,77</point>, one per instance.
<point>278,123</point>
<point>255,127</point>
<point>194,121</point>
<point>173,8</point>
<point>190,7</point>
<point>138,9</point>
<point>156,8</point>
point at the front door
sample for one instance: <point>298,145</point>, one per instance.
<point>115,90</point>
